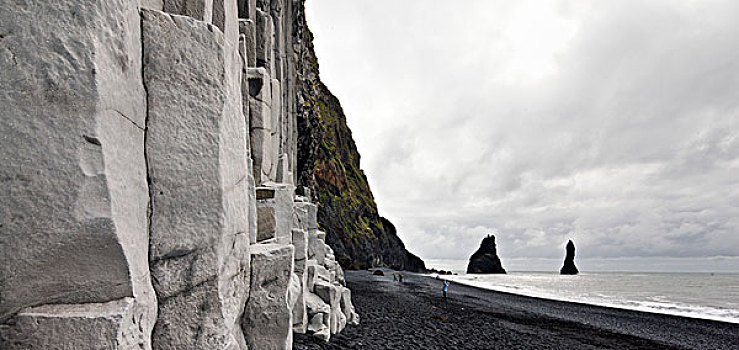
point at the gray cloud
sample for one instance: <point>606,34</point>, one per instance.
<point>613,122</point>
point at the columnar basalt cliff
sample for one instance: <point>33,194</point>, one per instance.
<point>330,163</point>
<point>153,176</point>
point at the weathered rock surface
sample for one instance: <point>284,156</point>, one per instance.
<point>199,246</point>
<point>265,33</point>
<point>347,308</point>
<point>317,246</point>
<point>300,316</point>
<point>331,295</point>
<point>247,9</point>
<point>267,319</point>
<point>306,215</point>
<point>111,325</point>
<point>319,313</point>
<point>73,225</point>
<point>260,123</point>
<point>569,268</point>
<point>248,29</point>
<point>275,212</point>
<point>266,224</point>
<point>485,259</point>
<point>160,210</point>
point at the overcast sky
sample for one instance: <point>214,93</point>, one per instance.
<point>612,123</point>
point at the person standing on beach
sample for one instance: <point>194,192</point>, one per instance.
<point>446,287</point>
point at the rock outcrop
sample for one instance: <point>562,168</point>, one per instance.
<point>268,316</point>
<point>199,256</point>
<point>150,162</point>
<point>73,210</point>
<point>569,268</point>
<point>485,259</point>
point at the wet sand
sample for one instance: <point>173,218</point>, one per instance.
<point>413,315</point>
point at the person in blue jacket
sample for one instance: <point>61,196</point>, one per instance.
<point>446,287</point>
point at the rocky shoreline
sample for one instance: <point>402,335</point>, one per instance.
<point>413,315</point>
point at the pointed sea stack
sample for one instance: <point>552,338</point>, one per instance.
<point>569,267</point>
<point>485,259</point>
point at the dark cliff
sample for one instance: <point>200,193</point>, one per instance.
<point>330,164</point>
<point>485,259</point>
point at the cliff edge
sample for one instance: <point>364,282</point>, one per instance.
<point>329,163</point>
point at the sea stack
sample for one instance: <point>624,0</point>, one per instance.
<point>569,267</point>
<point>485,259</point>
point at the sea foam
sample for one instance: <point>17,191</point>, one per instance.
<point>696,295</point>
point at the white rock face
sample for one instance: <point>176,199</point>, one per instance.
<point>306,215</point>
<point>111,325</point>
<point>331,295</point>
<point>73,218</point>
<point>260,123</point>
<point>317,246</point>
<point>266,223</point>
<point>225,17</point>
<point>198,9</point>
<point>195,154</point>
<point>248,29</point>
<point>252,205</point>
<point>300,316</point>
<point>168,156</point>
<point>267,321</point>
<point>275,212</point>
<point>283,173</point>
<point>265,34</point>
<point>347,308</point>
<point>276,137</point>
<point>319,313</point>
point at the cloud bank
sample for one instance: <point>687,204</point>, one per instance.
<point>614,123</point>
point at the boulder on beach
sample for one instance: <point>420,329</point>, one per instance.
<point>485,259</point>
<point>569,267</point>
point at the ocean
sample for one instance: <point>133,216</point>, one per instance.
<point>713,296</point>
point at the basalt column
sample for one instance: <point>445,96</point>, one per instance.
<point>195,148</point>
<point>147,170</point>
<point>73,194</point>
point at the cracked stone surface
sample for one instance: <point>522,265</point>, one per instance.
<point>275,212</point>
<point>198,181</point>
<point>111,325</point>
<point>300,242</point>
<point>73,223</point>
<point>199,9</point>
<point>148,178</point>
<point>267,320</point>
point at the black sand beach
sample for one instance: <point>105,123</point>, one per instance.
<point>413,315</point>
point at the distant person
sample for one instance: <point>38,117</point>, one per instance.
<point>395,277</point>
<point>400,277</point>
<point>445,283</point>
